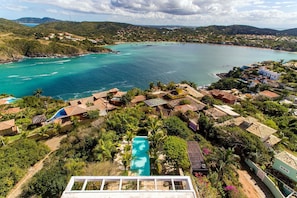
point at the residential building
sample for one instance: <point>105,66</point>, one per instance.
<point>270,74</point>
<point>286,163</point>
<point>215,113</point>
<point>269,94</point>
<point>138,99</point>
<point>8,127</point>
<point>252,125</point>
<point>224,96</point>
<point>227,109</point>
<point>191,91</point>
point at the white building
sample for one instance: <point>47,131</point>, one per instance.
<point>270,74</point>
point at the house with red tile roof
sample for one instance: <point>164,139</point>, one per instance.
<point>269,94</point>
<point>224,96</point>
<point>8,127</point>
<point>137,99</point>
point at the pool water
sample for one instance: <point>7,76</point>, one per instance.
<point>9,100</point>
<point>140,163</point>
<point>59,114</point>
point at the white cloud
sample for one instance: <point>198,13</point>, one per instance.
<point>15,8</point>
<point>195,12</point>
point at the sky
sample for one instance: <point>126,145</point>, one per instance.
<point>276,14</point>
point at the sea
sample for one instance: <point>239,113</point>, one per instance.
<point>133,65</point>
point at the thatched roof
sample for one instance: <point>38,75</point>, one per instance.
<point>38,119</point>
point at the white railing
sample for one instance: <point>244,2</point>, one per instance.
<point>80,185</point>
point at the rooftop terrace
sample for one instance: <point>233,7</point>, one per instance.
<point>129,186</point>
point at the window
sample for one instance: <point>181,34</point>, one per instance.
<point>284,169</point>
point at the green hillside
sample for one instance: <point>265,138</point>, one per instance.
<point>64,38</point>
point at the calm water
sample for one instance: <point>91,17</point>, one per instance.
<point>136,65</point>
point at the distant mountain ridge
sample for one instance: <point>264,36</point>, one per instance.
<point>36,20</point>
<point>245,29</point>
<point>228,30</point>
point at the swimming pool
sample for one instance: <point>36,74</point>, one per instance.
<point>9,100</point>
<point>140,163</point>
<point>59,114</point>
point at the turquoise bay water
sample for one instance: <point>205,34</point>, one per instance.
<point>140,158</point>
<point>136,65</point>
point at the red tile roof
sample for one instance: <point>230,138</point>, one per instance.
<point>7,124</point>
<point>138,99</point>
<point>269,94</point>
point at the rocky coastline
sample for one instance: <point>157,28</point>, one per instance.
<point>4,59</point>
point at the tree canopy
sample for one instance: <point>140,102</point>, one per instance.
<point>175,149</point>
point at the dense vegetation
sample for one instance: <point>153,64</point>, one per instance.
<point>15,159</point>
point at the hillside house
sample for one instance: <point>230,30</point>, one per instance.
<point>138,99</point>
<point>224,96</point>
<point>269,94</point>
<point>8,128</point>
<point>286,163</point>
<point>252,125</point>
<point>270,74</point>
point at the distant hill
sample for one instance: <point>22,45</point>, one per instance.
<point>241,29</point>
<point>94,28</point>
<point>85,28</point>
<point>292,32</point>
<point>36,20</point>
<point>11,26</point>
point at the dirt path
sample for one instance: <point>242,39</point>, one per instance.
<point>53,144</point>
<point>250,188</point>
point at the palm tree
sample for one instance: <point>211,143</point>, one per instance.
<point>151,85</point>
<point>131,131</point>
<point>105,150</point>
<point>126,156</point>
<point>129,136</point>
<point>224,162</point>
<point>38,92</point>
<point>154,125</point>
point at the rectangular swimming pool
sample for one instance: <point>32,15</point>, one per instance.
<point>140,163</point>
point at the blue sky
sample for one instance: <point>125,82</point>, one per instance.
<point>275,14</point>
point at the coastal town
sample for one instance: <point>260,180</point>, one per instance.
<point>248,118</point>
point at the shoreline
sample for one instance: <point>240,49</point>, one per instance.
<point>108,50</point>
<point>2,62</point>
